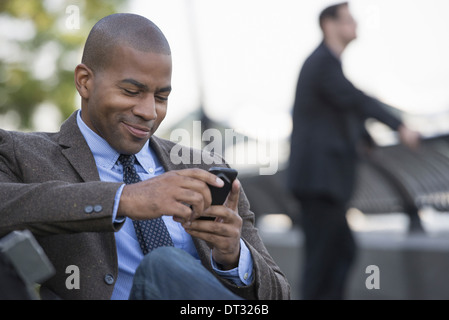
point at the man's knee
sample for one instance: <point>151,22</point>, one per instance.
<point>164,262</point>
<point>165,259</point>
<point>171,273</point>
<point>161,255</point>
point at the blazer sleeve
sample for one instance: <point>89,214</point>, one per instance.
<point>339,92</point>
<point>50,207</point>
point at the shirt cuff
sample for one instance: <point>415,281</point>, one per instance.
<point>118,194</point>
<point>243,274</point>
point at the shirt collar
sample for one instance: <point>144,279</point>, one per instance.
<point>105,156</point>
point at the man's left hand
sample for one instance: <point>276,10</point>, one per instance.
<point>223,234</point>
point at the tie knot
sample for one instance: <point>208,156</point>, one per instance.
<point>127,160</point>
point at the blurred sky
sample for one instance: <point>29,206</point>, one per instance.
<point>246,55</point>
<point>241,58</point>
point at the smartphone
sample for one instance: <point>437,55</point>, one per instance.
<point>219,195</point>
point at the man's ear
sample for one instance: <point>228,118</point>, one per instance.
<point>83,80</point>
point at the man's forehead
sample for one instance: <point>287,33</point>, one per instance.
<point>124,57</point>
<point>123,48</point>
<point>343,10</point>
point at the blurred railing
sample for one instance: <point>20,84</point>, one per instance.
<point>392,179</point>
<point>397,179</point>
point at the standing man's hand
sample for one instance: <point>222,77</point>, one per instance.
<point>223,234</point>
<point>409,138</point>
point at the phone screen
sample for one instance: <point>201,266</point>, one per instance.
<point>219,195</point>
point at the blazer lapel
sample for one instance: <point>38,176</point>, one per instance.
<point>162,149</point>
<point>76,150</point>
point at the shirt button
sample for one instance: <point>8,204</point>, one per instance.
<point>245,276</point>
<point>151,170</point>
<point>88,209</point>
<point>109,279</point>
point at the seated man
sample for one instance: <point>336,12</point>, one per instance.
<point>102,192</point>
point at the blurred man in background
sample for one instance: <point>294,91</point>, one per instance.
<point>328,133</point>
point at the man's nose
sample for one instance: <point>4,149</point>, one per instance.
<point>146,109</point>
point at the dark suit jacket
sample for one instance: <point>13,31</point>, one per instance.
<point>328,124</point>
<point>46,182</point>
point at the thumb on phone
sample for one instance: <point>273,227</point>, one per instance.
<point>232,200</point>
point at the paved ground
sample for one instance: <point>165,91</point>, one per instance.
<point>410,266</point>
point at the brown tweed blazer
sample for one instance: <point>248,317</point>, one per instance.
<point>46,182</point>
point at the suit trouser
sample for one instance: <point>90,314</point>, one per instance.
<point>329,248</point>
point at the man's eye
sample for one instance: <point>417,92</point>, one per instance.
<point>131,92</point>
<point>161,98</point>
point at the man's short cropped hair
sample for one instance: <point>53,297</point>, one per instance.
<point>331,12</point>
<point>119,29</point>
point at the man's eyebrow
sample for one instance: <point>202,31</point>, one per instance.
<point>139,85</point>
<point>165,89</point>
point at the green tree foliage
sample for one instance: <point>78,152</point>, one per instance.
<point>40,44</point>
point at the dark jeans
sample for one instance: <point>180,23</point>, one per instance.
<point>168,273</point>
<point>329,248</point>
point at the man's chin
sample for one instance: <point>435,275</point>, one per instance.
<point>130,147</point>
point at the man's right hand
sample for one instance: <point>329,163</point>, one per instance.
<point>183,194</point>
<point>409,138</point>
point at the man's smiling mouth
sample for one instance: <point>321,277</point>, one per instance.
<point>138,131</point>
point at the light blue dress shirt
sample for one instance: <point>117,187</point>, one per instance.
<point>128,249</point>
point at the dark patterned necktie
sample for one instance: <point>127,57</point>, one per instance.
<point>151,233</point>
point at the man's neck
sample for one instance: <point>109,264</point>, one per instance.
<point>336,46</point>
